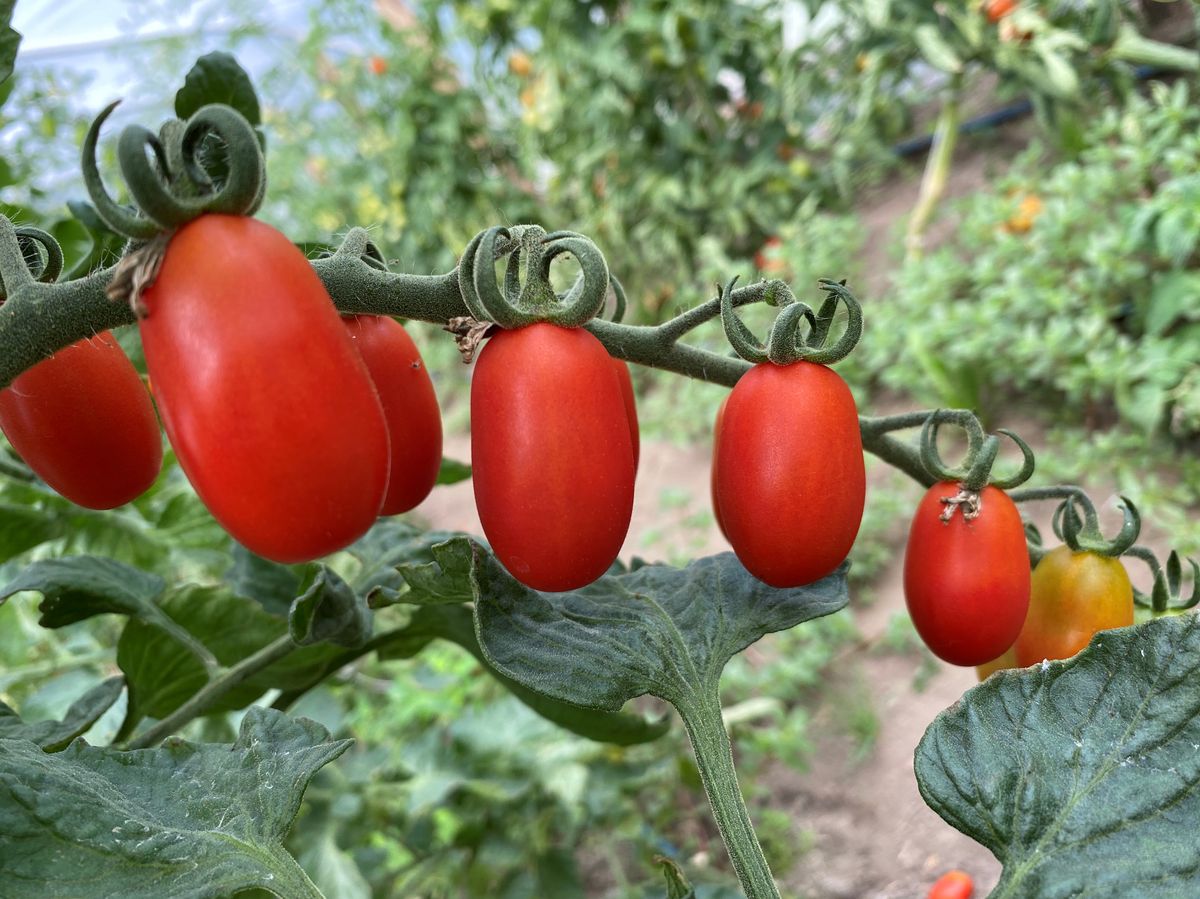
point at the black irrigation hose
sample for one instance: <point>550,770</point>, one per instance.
<point>1018,109</point>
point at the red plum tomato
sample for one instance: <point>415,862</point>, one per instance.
<point>790,478</point>
<point>83,421</point>
<point>270,410</point>
<point>410,407</point>
<point>551,455</point>
<point>967,582</point>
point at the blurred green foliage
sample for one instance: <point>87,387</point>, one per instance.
<point>1082,273</point>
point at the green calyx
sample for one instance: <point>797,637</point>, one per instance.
<point>1167,595</point>
<point>529,250</point>
<point>975,471</point>
<point>788,341</point>
<point>1076,525</point>
<point>211,163</point>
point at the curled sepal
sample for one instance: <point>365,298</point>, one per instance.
<point>1167,595</point>
<point>1076,524</point>
<point>117,217</point>
<point>789,341</point>
<point>529,250</point>
<point>1034,543</point>
<point>176,183</point>
<point>35,242</point>
<point>1022,474</point>
<point>815,349</point>
<point>975,471</point>
<point>741,338</point>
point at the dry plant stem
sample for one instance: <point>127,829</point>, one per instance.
<point>937,170</point>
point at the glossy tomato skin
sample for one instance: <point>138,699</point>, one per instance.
<point>953,885</point>
<point>270,410</point>
<point>967,582</point>
<point>713,477</point>
<point>630,400</point>
<point>551,455</point>
<point>83,421</point>
<point>1075,596</point>
<point>410,408</point>
<point>790,478</point>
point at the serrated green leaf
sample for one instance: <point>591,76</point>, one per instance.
<point>79,587</point>
<point>218,78</point>
<point>658,629</point>
<point>455,624</point>
<point>52,736</point>
<point>452,471</point>
<point>10,39</point>
<point>329,612</point>
<point>390,543</point>
<point>187,820</point>
<point>447,579</point>
<point>1081,776</point>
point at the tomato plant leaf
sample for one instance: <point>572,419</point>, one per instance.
<point>446,579</point>
<point>391,544</point>
<point>163,672</point>
<point>217,77</point>
<point>53,736</point>
<point>187,820</point>
<point>657,629</point>
<point>1081,776</point>
<point>329,612</point>
<point>10,39</point>
<point>79,587</point>
<point>452,471</point>
<point>272,585</point>
<point>454,623</point>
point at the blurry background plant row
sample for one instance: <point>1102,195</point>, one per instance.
<point>693,141</point>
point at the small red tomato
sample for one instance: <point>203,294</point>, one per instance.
<point>551,455</point>
<point>1075,595</point>
<point>270,410</point>
<point>378,65</point>
<point>995,10</point>
<point>713,478</point>
<point>764,259</point>
<point>83,421</point>
<point>967,582</point>
<point>953,885</point>
<point>410,407</point>
<point>627,395</point>
<point>790,478</point>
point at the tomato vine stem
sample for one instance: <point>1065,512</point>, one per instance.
<point>220,685</point>
<point>714,759</point>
